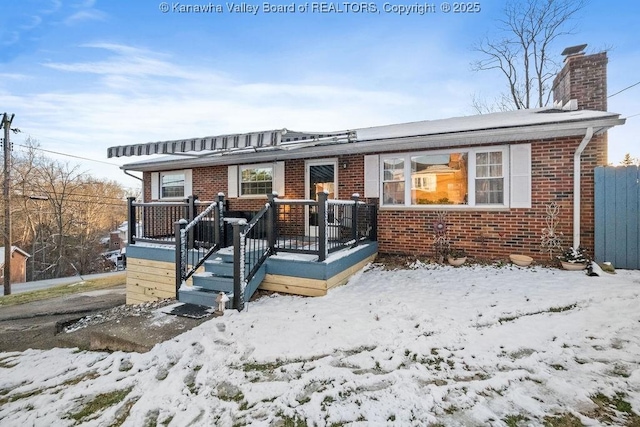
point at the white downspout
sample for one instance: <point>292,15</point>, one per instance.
<point>576,186</point>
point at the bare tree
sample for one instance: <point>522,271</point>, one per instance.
<point>521,50</point>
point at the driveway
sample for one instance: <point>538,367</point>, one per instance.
<point>17,288</point>
<point>33,325</point>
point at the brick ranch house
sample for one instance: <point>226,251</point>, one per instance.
<point>492,174</point>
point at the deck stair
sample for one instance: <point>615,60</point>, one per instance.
<point>217,277</point>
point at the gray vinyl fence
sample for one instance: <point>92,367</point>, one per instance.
<point>617,215</point>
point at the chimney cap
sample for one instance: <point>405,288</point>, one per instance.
<point>574,50</point>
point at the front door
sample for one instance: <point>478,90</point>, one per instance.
<point>320,175</point>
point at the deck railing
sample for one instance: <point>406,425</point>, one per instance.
<point>154,222</point>
<point>323,226</point>
<point>197,240</point>
<point>315,227</point>
<point>251,247</point>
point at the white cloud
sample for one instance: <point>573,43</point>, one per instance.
<point>140,96</point>
<point>35,21</point>
<point>86,15</point>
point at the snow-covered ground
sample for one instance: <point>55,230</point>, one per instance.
<point>429,345</point>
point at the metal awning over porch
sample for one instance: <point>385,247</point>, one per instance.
<point>212,145</point>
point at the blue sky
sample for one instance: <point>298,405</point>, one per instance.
<point>82,76</point>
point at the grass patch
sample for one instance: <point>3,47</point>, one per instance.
<point>62,290</point>
<point>123,413</point>
<point>238,397</point>
<point>616,407</point>
<point>561,309</point>
<point>7,362</point>
<point>272,366</point>
<point>564,420</point>
<point>515,420</point>
<point>262,367</point>
<point>293,421</point>
<point>549,310</point>
<point>18,396</point>
<point>101,402</point>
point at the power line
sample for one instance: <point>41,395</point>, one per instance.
<point>620,91</point>
<point>69,155</point>
<point>78,194</point>
<point>633,115</point>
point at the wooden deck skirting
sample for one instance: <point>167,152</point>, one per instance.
<point>310,287</point>
<point>151,274</point>
<point>149,280</point>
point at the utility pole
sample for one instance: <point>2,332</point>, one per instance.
<point>6,124</point>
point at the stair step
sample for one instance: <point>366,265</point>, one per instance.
<point>226,255</point>
<point>212,282</point>
<point>219,267</point>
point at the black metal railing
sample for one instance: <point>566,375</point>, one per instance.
<point>315,227</point>
<point>323,226</point>
<point>197,240</point>
<point>252,245</point>
<point>154,222</point>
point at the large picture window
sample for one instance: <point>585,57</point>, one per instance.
<point>256,180</point>
<point>439,179</point>
<point>470,177</point>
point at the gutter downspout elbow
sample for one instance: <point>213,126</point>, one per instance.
<point>576,186</point>
<point>126,172</point>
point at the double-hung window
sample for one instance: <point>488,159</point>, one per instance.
<point>393,182</point>
<point>474,177</point>
<point>172,185</point>
<point>489,178</point>
<point>256,180</point>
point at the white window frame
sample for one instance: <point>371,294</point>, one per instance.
<point>157,183</point>
<point>242,168</point>
<point>471,178</point>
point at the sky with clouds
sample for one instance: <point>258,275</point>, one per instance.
<point>82,76</point>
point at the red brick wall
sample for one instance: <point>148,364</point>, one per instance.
<point>584,77</point>
<point>496,234</point>
<point>484,234</point>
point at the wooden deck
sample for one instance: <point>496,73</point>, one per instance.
<point>151,271</point>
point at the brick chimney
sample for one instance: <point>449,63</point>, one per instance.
<point>584,78</point>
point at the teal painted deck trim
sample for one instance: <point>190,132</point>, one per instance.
<point>335,263</point>
<point>281,266</point>
<point>154,253</point>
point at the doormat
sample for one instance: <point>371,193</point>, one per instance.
<point>192,311</point>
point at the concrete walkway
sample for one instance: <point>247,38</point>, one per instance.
<point>17,288</point>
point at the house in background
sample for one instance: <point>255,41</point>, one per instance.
<point>18,264</point>
<point>490,176</point>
